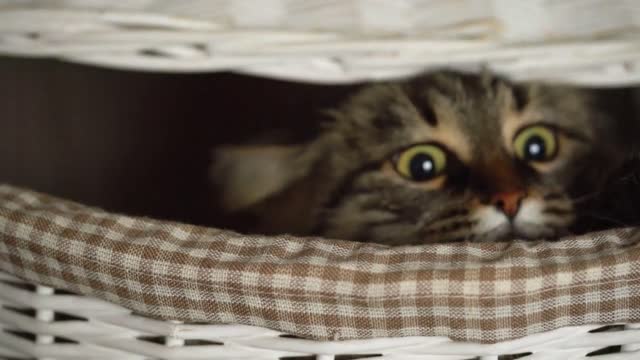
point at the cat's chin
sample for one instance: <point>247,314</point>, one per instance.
<point>510,232</point>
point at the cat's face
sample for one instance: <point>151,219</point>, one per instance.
<point>442,157</point>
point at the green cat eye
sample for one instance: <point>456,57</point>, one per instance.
<point>536,143</point>
<point>421,162</point>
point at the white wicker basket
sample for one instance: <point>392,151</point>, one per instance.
<point>590,42</point>
<point>39,322</point>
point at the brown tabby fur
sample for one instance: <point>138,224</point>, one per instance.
<point>343,185</point>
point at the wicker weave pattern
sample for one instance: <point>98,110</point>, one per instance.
<point>70,326</point>
<point>318,288</point>
<point>577,41</point>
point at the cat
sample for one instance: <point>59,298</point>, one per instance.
<point>439,157</point>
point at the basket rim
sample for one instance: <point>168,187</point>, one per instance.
<point>320,288</point>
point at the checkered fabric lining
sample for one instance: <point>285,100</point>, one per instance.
<point>318,288</point>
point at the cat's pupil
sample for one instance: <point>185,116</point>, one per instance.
<point>535,148</point>
<point>422,167</point>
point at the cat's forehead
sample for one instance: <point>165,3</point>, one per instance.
<point>463,103</point>
<point>465,112</point>
<point>456,110</point>
<point>486,102</point>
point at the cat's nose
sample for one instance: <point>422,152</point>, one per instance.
<point>508,202</point>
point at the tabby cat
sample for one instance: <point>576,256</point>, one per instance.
<point>443,156</point>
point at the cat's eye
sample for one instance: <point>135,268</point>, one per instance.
<point>421,162</point>
<point>536,143</point>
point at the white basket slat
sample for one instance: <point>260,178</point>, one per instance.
<point>6,350</point>
<point>18,348</point>
<point>186,331</point>
<point>120,334</point>
<point>328,41</point>
<point>20,297</point>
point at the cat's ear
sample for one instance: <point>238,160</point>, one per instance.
<point>328,117</point>
<point>246,175</point>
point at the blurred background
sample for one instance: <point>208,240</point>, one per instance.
<point>135,142</point>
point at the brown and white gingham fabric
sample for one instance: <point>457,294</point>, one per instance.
<point>318,288</point>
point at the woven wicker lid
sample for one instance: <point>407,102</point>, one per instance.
<point>580,42</point>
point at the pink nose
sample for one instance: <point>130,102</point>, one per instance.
<point>508,202</point>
